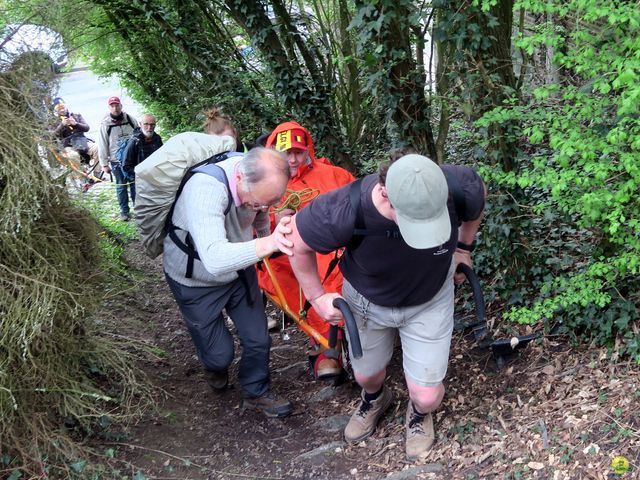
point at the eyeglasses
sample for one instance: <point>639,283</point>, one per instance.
<point>149,124</point>
<point>255,206</point>
<point>259,208</point>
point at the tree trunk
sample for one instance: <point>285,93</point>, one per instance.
<point>312,108</point>
<point>496,69</point>
<point>387,26</point>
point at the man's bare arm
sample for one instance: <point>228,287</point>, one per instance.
<point>305,267</point>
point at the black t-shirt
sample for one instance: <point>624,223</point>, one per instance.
<point>386,271</point>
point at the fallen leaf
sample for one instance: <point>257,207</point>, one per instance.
<point>549,370</point>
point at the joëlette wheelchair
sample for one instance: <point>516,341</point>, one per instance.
<point>500,349</point>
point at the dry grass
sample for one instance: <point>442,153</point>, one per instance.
<point>58,377</point>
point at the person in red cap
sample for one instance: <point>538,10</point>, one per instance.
<point>115,128</point>
<point>310,176</point>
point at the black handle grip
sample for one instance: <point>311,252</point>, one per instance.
<point>331,352</point>
<point>350,322</point>
<point>480,330</point>
<point>333,336</point>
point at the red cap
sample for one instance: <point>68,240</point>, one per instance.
<point>294,138</point>
<point>113,100</point>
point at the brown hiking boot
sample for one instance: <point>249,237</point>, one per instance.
<point>364,420</point>
<point>327,365</point>
<point>218,380</point>
<point>325,368</point>
<point>269,404</point>
<point>420,434</point>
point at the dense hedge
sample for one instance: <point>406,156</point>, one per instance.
<point>58,376</point>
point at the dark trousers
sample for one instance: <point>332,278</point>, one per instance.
<point>122,183</point>
<point>201,309</point>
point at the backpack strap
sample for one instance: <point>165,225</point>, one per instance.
<point>207,167</point>
<point>455,190</point>
<point>355,192</point>
<point>128,120</point>
<point>359,227</point>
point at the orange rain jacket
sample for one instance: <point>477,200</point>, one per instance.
<point>319,176</point>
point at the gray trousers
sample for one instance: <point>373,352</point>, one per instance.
<point>201,308</point>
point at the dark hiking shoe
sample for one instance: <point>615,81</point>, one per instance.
<point>269,404</point>
<point>218,380</point>
<point>364,420</point>
<point>125,217</point>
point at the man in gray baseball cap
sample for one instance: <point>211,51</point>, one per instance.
<point>403,239</point>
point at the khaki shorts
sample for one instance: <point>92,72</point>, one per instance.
<point>425,332</point>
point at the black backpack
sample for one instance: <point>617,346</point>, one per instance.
<point>360,230</point>
<point>210,168</point>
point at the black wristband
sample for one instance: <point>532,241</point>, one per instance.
<point>466,246</point>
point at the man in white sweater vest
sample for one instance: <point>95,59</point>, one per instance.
<point>220,219</point>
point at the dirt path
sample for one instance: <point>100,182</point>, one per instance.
<point>561,417</point>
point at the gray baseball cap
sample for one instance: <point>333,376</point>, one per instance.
<point>418,191</point>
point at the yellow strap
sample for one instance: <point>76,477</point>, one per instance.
<point>303,312</point>
<point>295,198</point>
<point>70,164</point>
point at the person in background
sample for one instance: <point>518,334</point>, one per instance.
<point>310,176</point>
<point>145,141</point>
<point>71,129</point>
<point>116,127</point>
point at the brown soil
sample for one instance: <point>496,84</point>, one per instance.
<point>552,413</point>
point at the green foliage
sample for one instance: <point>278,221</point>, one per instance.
<point>384,40</point>
<point>301,63</point>
<point>583,160</point>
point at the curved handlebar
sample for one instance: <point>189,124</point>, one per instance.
<point>350,322</point>
<point>480,328</point>
<point>478,298</point>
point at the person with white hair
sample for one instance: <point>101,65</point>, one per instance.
<point>215,218</point>
<point>144,141</point>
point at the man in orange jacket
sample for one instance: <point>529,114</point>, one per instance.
<point>310,176</point>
